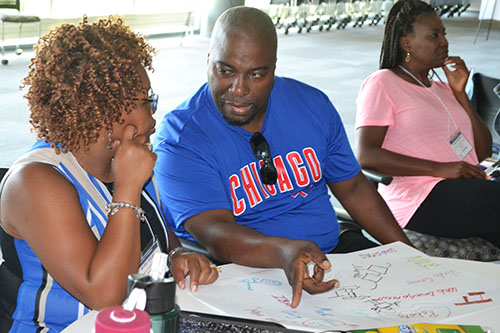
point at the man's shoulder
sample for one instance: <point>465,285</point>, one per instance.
<point>191,108</point>
<point>198,100</point>
<point>290,89</point>
<point>290,83</point>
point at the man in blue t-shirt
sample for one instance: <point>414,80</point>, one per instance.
<point>244,163</point>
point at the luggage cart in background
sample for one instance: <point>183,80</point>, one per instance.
<point>293,17</point>
<point>329,15</point>
<point>450,7</point>
<point>343,17</point>
<point>359,12</point>
<point>312,11</point>
<point>375,11</point>
<point>277,13</point>
<point>322,15</point>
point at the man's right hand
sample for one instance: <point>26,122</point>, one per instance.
<point>225,240</point>
<point>298,254</point>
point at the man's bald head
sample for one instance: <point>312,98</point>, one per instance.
<point>244,22</point>
<point>241,65</point>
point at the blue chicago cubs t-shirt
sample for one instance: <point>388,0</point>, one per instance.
<point>204,164</point>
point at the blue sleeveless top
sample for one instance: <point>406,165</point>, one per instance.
<point>42,304</point>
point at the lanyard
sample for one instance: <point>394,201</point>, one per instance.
<point>435,95</point>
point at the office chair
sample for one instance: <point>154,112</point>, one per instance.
<point>472,248</point>
<point>486,99</point>
<point>18,19</point>
<point>9,279</point>
<point>3,171</point>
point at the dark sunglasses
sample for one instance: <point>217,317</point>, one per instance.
<point>152,99</point>
<point>261,150</point>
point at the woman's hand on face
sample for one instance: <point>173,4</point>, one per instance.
<point>197,266</point>
<point>133,161</point>
<point>457,75</point>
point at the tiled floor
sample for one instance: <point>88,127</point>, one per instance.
<point>336,62</point>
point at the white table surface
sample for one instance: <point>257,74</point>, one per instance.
<point>489,319</point>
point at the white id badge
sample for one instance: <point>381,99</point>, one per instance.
<point>147,258</point>
<point>460,145</point>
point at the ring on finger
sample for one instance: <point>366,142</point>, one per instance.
<point>218,269</point>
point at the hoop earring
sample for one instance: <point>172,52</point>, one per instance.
<point>109,146</point>
<point>407,59</point>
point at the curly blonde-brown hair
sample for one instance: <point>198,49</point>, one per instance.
<point>82,78</point>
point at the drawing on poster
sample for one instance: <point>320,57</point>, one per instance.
<point>385,286</point>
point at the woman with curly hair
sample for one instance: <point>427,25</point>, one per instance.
<point>80,211</point>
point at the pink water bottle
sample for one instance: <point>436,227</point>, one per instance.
<point>117,319</point>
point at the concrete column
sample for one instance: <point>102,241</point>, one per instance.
<point>212,11</point>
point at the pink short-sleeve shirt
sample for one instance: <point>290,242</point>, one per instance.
<point>417,125</point>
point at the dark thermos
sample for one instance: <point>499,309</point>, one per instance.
<point>160,301</point>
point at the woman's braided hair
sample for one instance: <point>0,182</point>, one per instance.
<point>82,78</point>
<point>399,23</point>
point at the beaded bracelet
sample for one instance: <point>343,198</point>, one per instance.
<point>171,254</point>
<point>113,208</point>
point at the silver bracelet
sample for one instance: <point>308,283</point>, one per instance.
<point>113,208</point>
<point>171,254</point>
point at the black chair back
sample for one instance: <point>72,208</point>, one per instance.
<point>3,171</point>
<point>9,281</point>
<point>487,101</point>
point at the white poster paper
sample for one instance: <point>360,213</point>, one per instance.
<point>384,286</point>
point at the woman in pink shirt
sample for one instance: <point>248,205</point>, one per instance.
<point>425,132</point>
